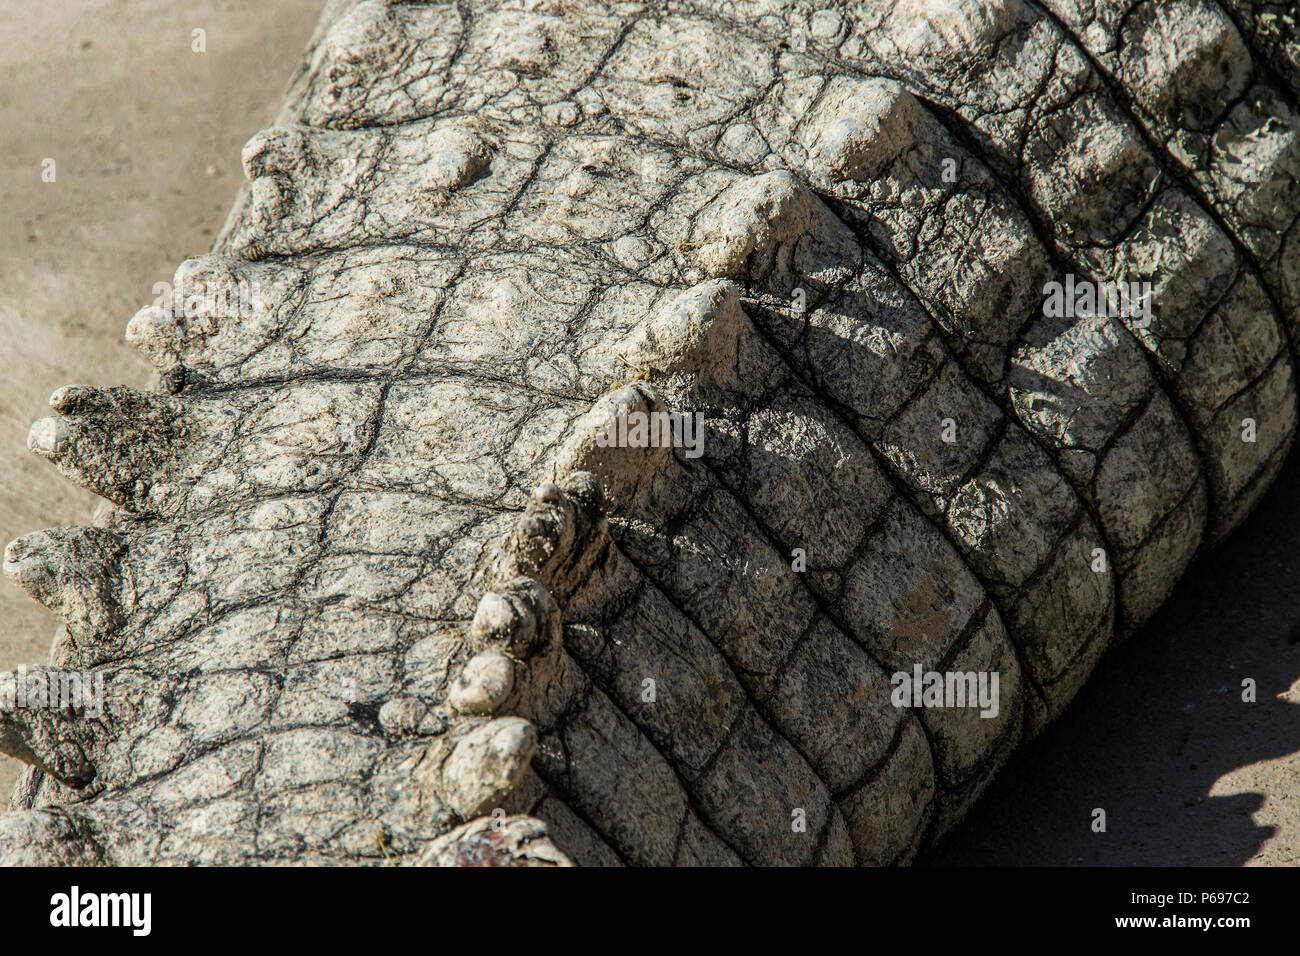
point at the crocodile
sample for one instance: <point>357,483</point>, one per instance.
<point>985,312</point>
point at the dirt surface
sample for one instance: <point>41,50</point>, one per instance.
<point>145,134</point>
<point>146,137</point>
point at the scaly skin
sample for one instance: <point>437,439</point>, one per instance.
<point>372,591</point>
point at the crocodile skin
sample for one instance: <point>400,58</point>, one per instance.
<point>374,588</point>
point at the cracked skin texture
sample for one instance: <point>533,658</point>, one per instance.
<point>369,590</point>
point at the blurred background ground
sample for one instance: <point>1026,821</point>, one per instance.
<point>146,136</point>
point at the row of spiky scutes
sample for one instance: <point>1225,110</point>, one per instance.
<point>109,440</point>
<point>474,767</point>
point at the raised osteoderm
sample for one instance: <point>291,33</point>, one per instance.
<point>959,328</point>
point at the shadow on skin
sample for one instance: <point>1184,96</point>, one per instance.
<point>1161,722</point>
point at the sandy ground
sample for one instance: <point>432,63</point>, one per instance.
<point>146,137</point>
